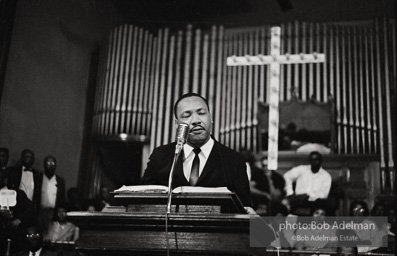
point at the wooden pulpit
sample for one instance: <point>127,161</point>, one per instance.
<point>199,224</point>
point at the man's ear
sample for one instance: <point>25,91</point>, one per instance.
<point>176,122</point>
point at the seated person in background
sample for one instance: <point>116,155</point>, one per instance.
<point>26,178</point>
<point>15,219</point>
<point>203,161</point>
<point>4,156</point>
<point>381,209</point>
<point>267,187</point>
<point>313,183</point>
<point>358,209</point>
<point>369,239</point>
<point>104,198</point>
<point>91,205</point>
<point>75,200</point>
<point>52,192</point>
<point>329,244</point>
<point>285,237</point>
<point>61,229</point>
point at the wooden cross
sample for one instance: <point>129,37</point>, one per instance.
<point>274,60</point>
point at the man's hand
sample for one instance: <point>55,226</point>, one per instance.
<point>249,210</point>
<point>15,223</point>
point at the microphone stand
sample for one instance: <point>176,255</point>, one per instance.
<point>178,150</point>
<point>8,247</point>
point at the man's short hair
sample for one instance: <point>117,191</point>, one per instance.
<point>49,157</point>
<point>188,95</point>
<point>315,153</point>
<point>27,151</point>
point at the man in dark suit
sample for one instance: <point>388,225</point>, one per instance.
<point>203,161</point>
<point>25,178</point>
<point>52,191</point>
<point>14,219</point>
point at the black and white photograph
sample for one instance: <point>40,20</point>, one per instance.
<point>198,127</point>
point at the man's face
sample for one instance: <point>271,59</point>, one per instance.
<point>319,213</point>
<point>50,165</point>
<point>358,210</point>
<point>194,111</point>
<point>61,214</point>
<point>27,159</point>
<point>34,239</point>
<point>315,162</point>
<point>105,193</point>
<point>3,159</point>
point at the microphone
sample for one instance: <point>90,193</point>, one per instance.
<point>182,133</point>
<point>181,137</point>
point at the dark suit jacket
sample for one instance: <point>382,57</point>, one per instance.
<point>61,191</point>
<point>14,174</point>
<point>224,168</point>
<point>25,211</point>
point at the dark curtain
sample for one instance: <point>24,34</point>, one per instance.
<point>7,16</point>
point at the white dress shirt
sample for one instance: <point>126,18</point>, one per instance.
<point>189,156</point>
<point>49,192</point>
<point>37,253</point>
<point>27,183</point>
<point>315,185</point>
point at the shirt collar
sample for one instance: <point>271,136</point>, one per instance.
<point>36,252</point>
<point>25,168</point>
<point>52,179</point>
<point>205,149</point>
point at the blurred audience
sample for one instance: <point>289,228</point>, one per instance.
<point>380,209</point>
<point>369,239</point>
<point>318,213</point>
<point>14,219</point>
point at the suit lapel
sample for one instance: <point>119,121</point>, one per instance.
<point>179,170</point>
<point>211,163</point>
<point>19,177</point>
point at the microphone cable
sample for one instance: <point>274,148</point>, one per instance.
<point>169,200</point>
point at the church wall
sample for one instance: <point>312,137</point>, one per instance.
<point>44,95</point>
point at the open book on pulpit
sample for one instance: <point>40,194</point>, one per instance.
<point>185,199</point>
<point>164,189</point>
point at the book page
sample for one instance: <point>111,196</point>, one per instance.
<point>209,190</point>
<point>143,188</point>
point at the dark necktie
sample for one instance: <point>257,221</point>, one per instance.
<point>194,174</point>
